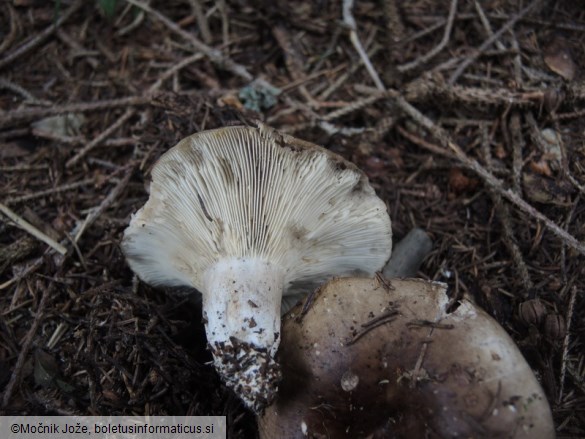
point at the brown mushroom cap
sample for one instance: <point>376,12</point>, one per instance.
<point>383,359</point>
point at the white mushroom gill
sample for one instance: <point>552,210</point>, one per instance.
<point>245,215</point>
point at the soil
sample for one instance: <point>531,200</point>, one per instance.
<point>466,116</point>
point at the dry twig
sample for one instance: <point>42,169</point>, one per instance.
<point>566,340</point>
<point>213,54</point>
<point>439,47</point>
<point>355,40</point>
<point>99,139</point>
<point>26,345</point>
<point>38,39</point>
<point>40,194</point>
<point>487,43</point>
<point>29,228</point>
<point>10,118</point>
<point>201,21</point>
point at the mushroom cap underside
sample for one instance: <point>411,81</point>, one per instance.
<point>248,192</point>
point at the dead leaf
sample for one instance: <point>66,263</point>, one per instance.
<point>64,125</point>
<point>546,190</point>
<point>46,369</point>
<point>557,57</point>
<point>47,372</point>
<point>231,100</point>
<point>540,167</point>
<point>459,182</point>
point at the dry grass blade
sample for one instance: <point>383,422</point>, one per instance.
<point>25,225</point>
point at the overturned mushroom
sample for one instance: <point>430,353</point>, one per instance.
<point>245,215</point>
<point>377,358</point>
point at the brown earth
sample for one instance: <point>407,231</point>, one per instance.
<point>468,121</point>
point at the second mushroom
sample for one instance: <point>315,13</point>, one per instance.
<point>246,215</point>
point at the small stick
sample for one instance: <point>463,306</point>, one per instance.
<point>180,65</point>
<point>308,303</point>
<point>487,43</point>
<point>566,341</point>
<point>426,89</point>
<point>9,85</point>
<point>517,145</point>
<point>130,111</point>
<point>95,213</point>
<point>428,323</point>
<point>12,117</point>
<point>419,361</point>
<point>14,25</point>
<point>67,39</point>
<point>353,36</point>
<point>77,231</point>
<point>382,320</point>
<point>344,77</point>
<point>39,38</point>
<point>293,60</point>
<point>103,135</point>
<point>352,107</point>
<point>394,37</point>
<point>225,23</point>
<point>430,54</point>
<point>201,21</point>
<point>379,318</point>
<point>23,168</point>
<point>213,54</point>
<point>504,216</point>
<point>486,25</point>
<point>18,367</point>
<point>63,188</point>
<point>381,280</point>
<point>28,227</point>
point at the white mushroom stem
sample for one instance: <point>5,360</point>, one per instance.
<point>241,308</point>
<point>242,300</point>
